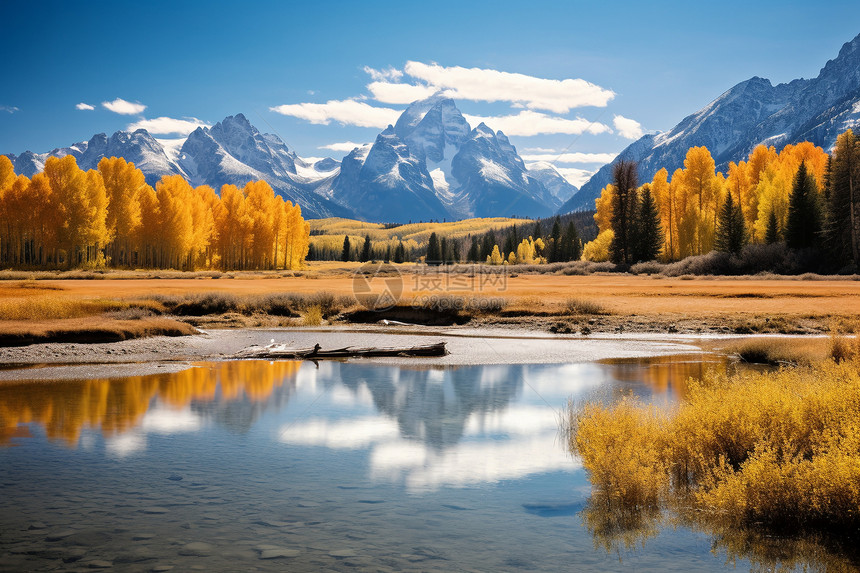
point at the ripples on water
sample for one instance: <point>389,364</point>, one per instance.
<point>281,465</point>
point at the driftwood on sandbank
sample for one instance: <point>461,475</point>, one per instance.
<point>275,351</point>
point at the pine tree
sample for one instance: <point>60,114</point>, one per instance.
<point>623,211</point>
<point>387,254</point>
<point>731,233</point>
<point>649,230</point>
<point>555,238</point>
<point>344,255</point>
<point>803,227</point>
<point>473,256</point>
<point>399,253</point>
<point>488,243</point>
<point>843,209</point>
<point>434,252</point>
<point>538,231</point>
<point>366,250</point>
<point>443,250</point>
<point>571,244</point>
<point>771,234</point>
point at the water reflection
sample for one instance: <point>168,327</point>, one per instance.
<point>213,467</point>
<point>160,403</point>
<point>618,530</point>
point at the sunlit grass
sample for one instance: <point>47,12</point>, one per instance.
<point>775,351</point>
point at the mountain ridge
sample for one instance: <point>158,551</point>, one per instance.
<point>750,113</point>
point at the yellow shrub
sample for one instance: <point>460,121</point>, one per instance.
<point>779,447</point>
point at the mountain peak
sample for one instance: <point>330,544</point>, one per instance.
<point>749,113</point>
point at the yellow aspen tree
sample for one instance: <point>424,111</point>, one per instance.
<point>47,221</point>
<point>298,237</point>
<point>603,206</point>
<point>16,215</point>
<point>495,258</point>
<point>203,222</point>
<point>773,191</point>
<point>7,177</point>
<point>175,221</point>
<point>148,234</point>
<point>123,184</point>
<point>598,249</point>
<point>699,183</point>
<point>233,228</point>
<point>279,220</point>
<point>97,233</point>
<point>662,193</point>
<point>260,200</point>
<point>69,185</point>
<point>759,159</point>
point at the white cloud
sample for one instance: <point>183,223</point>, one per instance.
<point>123,107</point>
<point>168,125</point>
<point>342,146</point>
<point>388,92</point>
<point>477,84</point>
<point>575,176</point>
<point>346,112</point>
<point>9,108</point>
<point>85,107</point>
<point>539,150</point>
<point>628,128</point>
<point>529,122</point>
<point>390,74</point>
<point>575,157</point>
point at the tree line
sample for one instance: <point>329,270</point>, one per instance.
<point>520,245</point>
<point>65,217</point>
<point>801,196</point>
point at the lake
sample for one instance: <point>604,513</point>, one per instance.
<point>255,465</point>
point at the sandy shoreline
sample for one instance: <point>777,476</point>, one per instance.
<point>467,346</point>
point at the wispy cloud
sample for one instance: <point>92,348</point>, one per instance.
<point>168,125</point>
<point>529,122</point>
<point>123,107</point>
<point>9,108</point>
<point>346,112</point>
<point>389,74</point>
<point>85,107</point>
<point>488,85</point>
<point>575,157</point>
<point>387,92</point>
<point>342,146</point>
<point>626,127</point>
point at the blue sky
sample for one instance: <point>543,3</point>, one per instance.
<point>582,77</point>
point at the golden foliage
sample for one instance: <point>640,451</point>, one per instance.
<point>780,448</point>
<point>68,217</point>
<point>65,409</point>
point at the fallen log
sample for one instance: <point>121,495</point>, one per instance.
<point>281,351</point>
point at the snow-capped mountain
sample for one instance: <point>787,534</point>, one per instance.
<point>750,113</point>
<point>555,183</point>
<point>432,164</point>
<point>232,151</point>
<point>387,182</point>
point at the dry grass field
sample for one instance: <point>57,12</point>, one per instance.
<point>587,303</point>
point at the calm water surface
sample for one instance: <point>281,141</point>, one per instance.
<point>243,466</point>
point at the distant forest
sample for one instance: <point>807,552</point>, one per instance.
<point>800,207</point>
<point>552,239</point>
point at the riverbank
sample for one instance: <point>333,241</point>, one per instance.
<point>467,346</point>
